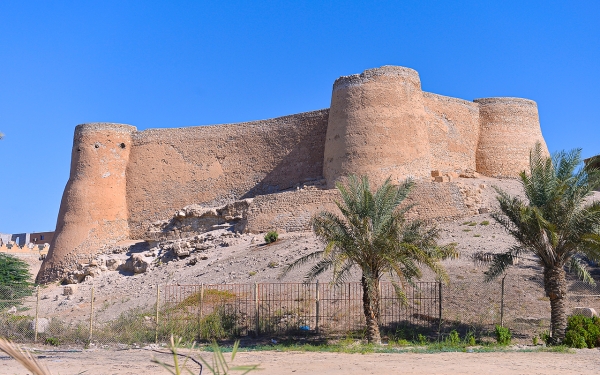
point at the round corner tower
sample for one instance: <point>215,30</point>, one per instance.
<point>93,210</point>
<point>376,126</point>
<point>509,129</point>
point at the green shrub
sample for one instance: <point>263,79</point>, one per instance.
<point>217,325</point>
<point>14,280</point>
<point>453,339</point>
<point>503,335</point>
<point>470,338</point>
<point>583,332</point>
<point>271,236</point>
<point>52,341</point>
<point>485,222</point>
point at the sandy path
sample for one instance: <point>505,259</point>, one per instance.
<point>102,362</point>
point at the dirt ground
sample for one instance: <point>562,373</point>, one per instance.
<point>102,362</point>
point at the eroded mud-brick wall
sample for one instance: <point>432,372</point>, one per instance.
<point>173,168</point>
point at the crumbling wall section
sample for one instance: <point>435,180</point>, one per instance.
<point>289,211</point>
<point>292,211</point>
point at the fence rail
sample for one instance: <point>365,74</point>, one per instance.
<point>202,312</point>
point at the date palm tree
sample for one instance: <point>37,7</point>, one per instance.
<point>373,236</point>
<point>555,223</point>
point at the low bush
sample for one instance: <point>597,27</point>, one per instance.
<point>271,236</point>
<point>583,332</point>
<point>503,335</point>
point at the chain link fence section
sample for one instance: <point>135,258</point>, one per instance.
<point>204,312</point>
<point>219,311</point>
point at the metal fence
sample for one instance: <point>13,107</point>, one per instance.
<point>203,312</point>
<point>293,308</point>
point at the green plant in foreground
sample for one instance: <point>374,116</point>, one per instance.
<point>218,366</point>
<point>534,340</point>
<point>503,335</point>
<point>485,222</point>
<point>271,236</point>
<point>583,332</point>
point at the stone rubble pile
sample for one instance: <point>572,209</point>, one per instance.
<point>142,256</point>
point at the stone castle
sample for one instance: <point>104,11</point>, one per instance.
<point>380,123</point>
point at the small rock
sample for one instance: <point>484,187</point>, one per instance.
<point>113,264</point>
<point>136,264</point>
<point>585,311</point>
<point>484,210</point>
<point>69,290</point>
<point>42,325</point>
<point>12,310</point>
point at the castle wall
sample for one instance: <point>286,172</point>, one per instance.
<point>292,211</point>
<point>172,168</point>
<point>93,210</point>
<point>453,132</point>
<point>376,126</point>
<point>510,128</point>
<point>289,211</point>
<point>380,124</point>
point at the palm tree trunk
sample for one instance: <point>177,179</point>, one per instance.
<point>555,284</point>
<point>371,310</point>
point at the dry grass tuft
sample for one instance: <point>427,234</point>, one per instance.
<point>24,358</point>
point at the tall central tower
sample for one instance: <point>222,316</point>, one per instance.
<point>376,126</point>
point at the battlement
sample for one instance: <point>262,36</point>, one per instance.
<point>380,123</point>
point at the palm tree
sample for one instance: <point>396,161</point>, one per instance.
<point>554,223</point>
<point>373,235</point>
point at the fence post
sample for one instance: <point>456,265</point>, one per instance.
<point>441,295</point>
<point>379,300</point>
<point>92,315</point>
<point>157,307</point>
<point>256,317</point>
<point>502,304</point>
<point>201,299</point>
<point>37,308</point>
<point>317,306</point>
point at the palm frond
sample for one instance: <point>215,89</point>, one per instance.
<point>300,262</point>
<point>577,267</point>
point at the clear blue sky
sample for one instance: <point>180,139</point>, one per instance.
<point>178,63</point>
